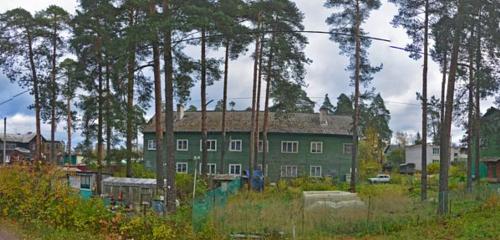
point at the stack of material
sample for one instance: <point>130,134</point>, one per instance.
<point>331,200</point>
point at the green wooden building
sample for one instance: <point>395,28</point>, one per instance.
<point>490,146</point>
<point>299,144</point>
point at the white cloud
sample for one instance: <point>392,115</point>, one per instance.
<point>23,123</point>
<point>37,5</point>
<point>398,82</point>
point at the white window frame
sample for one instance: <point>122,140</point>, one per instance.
<point>293,172</point>
<point>260,147</point>
<point>313,167</point>
<point>231,145</point>
<point>182,149</point>
<point>259,166</point>
<point>436,151</point>
<point>320,143</point>
<point>181,163</point>
<point>151,145</point>
<point>288,142</point>
<point>208,149</point>
<point>344,148</point>
<point>209,168</point>
<point>231,165</point>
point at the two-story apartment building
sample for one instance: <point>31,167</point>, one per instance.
<point>490,146</point>
<point>299,144</point>
<point>413,154</point>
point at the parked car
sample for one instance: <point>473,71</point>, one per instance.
<point>380,178</point>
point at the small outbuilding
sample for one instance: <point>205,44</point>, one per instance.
<point>493,165</point>
<point>131,192</point>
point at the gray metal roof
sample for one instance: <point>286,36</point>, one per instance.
<point>22,150</point>
<point>18,137</point>
<point>305,123</point>
<point>132,182</point>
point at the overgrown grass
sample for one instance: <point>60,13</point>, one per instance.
<point>390,209</point>
<point>45,207</point>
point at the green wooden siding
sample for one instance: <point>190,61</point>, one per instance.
<point>490,145</point>
<point>333,161</point>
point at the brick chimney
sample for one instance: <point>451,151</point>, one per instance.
<point>323,116</point>
<point>180,111</point>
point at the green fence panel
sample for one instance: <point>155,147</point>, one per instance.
<point>217,197</point>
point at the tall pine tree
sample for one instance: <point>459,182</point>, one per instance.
<point>347,31</point>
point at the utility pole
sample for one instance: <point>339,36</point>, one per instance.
<point>4,140</point>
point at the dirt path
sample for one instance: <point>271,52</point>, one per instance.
<point>7,232</point>
<point>5,235</point>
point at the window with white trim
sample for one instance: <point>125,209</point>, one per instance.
<point>211,145</point>
<point>289,146</point>
<point>315,171</point>
<point>316,147</point>
<point>235,145</point>
<point>182,145</point>
<point>347,148</point>
<point>181,167</point>
<point>288,171</point>
<point>235,169</point>
<point>212,168</point>
<point>151,144</point>
<point>435,151</point>
<point>259,167</point>
<point>261,146</point>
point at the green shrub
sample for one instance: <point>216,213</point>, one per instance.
<point>313,184</point>
<point>53,210</point>
<point>184,184</point>
<point>433,168</point>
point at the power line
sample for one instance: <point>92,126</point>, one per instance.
<point>278,31</point>
<point>263,97</point>
<point>12,98</point>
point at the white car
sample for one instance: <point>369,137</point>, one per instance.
<point>380,178</point>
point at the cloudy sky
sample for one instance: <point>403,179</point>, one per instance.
<point>398,82</point>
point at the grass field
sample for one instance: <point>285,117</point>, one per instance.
<point>392,211</point>
<point>34,206</point>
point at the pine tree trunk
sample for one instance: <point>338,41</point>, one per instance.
<point>100,100</point>
<point>204,129</point>
<point>257,108</point>
<point>224,109</point>
<point>470,121</point>
<point>171,192</point>
<point>52,157</point>
<point>130,99</point>
<point>158,111</point>
<point>423,191</point>
<point>477,118</point>
<point>266,108</point>
<point>443,89</point>
<point>38,137</point>
<point>69,123</point>
<point>446,133</point>
<point>108,115</point>
<point>251,162</point>
<point>356,100</point>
